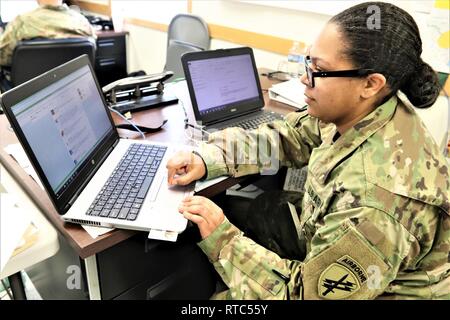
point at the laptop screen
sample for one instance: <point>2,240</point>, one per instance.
<point>63,124</point>
<point>222,83</point>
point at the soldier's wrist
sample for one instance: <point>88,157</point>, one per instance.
<point>204,165</point>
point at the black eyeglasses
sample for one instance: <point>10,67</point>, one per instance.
<point>328,74</point>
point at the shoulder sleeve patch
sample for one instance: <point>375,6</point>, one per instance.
<point>349,269</point>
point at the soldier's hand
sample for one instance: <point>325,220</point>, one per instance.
<point>203,212</point>
<point>185,167</point>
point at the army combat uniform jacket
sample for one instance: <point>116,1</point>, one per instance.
<point>375,213</point>
<point>44,22</point>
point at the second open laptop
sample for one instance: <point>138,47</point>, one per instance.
<point>91,175</point>
<point>224,88</point>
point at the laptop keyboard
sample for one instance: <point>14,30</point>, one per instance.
<point>254,123</point>
<point>123,193</point>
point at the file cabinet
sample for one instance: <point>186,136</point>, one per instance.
<point>111,56</point>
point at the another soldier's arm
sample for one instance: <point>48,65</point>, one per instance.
<point>238,152</point>
<point>90,31</point>
<point>355,254</point>
<point>8,41</point>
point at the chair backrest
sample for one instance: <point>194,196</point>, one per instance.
<point>186,33</point>
<point>189,28</point>
<point>34,57</point>
<point>175,51</point>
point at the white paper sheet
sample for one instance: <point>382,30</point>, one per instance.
<point>13,223</point>
<point>94,232</point>
<point>200,185</point>
<point>163,235</point>
<point>17,152</point>
<point>295,179</point>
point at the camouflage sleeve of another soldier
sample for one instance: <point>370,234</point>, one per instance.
<point>8,41</point>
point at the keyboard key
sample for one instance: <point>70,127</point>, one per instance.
<point>123,213</point>
<point>255,122</point>
<point>114,213</point>
<point>105,213</point>
<point>144,188</point>
<point>136,206</point>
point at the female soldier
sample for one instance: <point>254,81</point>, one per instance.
<point>375,214</point>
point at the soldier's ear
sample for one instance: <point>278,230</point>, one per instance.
<point>373,84</point>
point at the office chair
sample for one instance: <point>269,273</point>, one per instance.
<point>175,51</point>
<point>186,33</point>
<point>34,57</point>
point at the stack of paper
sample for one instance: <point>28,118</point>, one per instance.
<point>290,92</point>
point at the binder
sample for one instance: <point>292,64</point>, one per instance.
<point>290,92</point>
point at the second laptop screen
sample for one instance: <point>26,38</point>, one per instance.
<point>222,82</point>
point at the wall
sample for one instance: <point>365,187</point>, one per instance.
<point>9,8</point>
<point>278,22</point>
<point>256,20</point>
<point>267,26</point>
<point>146,49</point>
<point>102,7</point>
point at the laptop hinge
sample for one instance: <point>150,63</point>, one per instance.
<point>231,117</point>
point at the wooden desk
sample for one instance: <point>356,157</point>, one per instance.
<point>86,247</point>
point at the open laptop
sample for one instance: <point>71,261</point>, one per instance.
<point>225,90</point>
<point>91,175</point>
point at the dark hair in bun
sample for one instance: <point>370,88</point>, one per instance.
<point>393,49</point>
<point>422,87</point>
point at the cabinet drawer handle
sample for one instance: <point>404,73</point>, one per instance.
<point>106,43</point>
<point>107,62</point>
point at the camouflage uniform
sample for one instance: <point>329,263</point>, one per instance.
<point>45,22</point>
<point>375,213</point>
